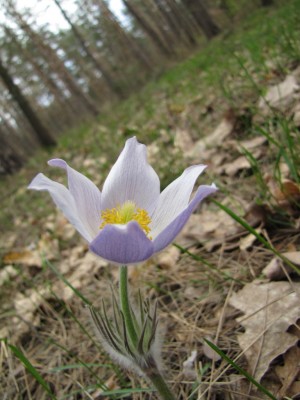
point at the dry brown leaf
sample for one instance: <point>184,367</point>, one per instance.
<point>270,309</point>
<point>214,139</point>
<point>25,257</point>
<point>168,258</point>
<point>255,215</point>
<point>280,96</point>
<point>46,247</point>
<point>247,241</point>
<point>251,144</point>
<point>287,191</point>
<point>289,373</point>
<point>205,226</point>
<point>232,168</point>
<point>183,140</point>
<point>275,270</point>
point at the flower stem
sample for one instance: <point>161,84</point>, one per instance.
<point>125,305</point>
<point>160,384</point>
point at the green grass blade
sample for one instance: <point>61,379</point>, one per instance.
<point>77,366</point>
<point>30,368</point>
<point>240,370</point>
<point>206,263</point>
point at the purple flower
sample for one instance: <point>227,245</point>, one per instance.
<point>130,219</point>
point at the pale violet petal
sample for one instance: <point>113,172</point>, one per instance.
<point>171,231</point>
<point>86,195</point>
<point>122,244</point>
<point>131,178</point>
<point>64,201</point>
<point>174,199</point>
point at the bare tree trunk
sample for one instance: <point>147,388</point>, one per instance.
<point>99,65</point>
<point>41,132</point>
<point>185,21</point>
<point>11,157</point>
<point>267,3</point>
<point>124,38</point>
<point>68,109</point>
<point>173,25</point>
<point>55,63</point>
<point>149,29</point>
<point>201,15</point>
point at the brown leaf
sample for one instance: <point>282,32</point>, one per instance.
<point>251,144</point>
<point>288,373</point>
<point>183,140</point>
<point>168,258</point>
<point>280,96</point>
<point>205,226</point>
<point>22,257</point>
<point>232,168</point>
<point>270,309</point>
<point>275,270</point>
<point>287,191</point>
<point>247,241</point>
<point>214,139</point>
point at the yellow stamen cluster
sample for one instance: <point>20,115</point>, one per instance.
<point>124,214</point>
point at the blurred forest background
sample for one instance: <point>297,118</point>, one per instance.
<point>53,79</point>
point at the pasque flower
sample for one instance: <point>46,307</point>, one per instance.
<point>130,219</point>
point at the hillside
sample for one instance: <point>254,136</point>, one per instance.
<point>232,275</point>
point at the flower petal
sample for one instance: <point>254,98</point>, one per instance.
<point>63,199</point>
<point>131,178</point>
<point>172,230</point>
<point>122,244</point>
<point>174,199</point>
<point>86,195</point>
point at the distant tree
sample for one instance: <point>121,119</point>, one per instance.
<point>28,54</point>
<point>171,13</point>
<point>98,64</point>
<point>55,63</point>
<point>11,155</point>
<point>41,132</point>
<point>202,17</point>
<point>149,27</point>
<point>127,44</point>
<point>266,3</point>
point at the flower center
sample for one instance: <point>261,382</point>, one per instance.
<point>124,214</point>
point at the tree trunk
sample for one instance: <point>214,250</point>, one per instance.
<point>99,66</point>
<point>124,38</point>
<point>41,132</point>
<point>11,157</point>
<point>267,3</point>
<point>148,29</point>
<point>201,15</point>
<point>69,111</point>
<point>55,63</point>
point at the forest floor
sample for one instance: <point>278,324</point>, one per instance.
<point>232,276</point>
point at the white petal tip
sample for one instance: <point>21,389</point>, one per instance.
<point>57,162</point>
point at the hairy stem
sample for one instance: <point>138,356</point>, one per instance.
<point>151,371</point>
<point>158,382</point>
